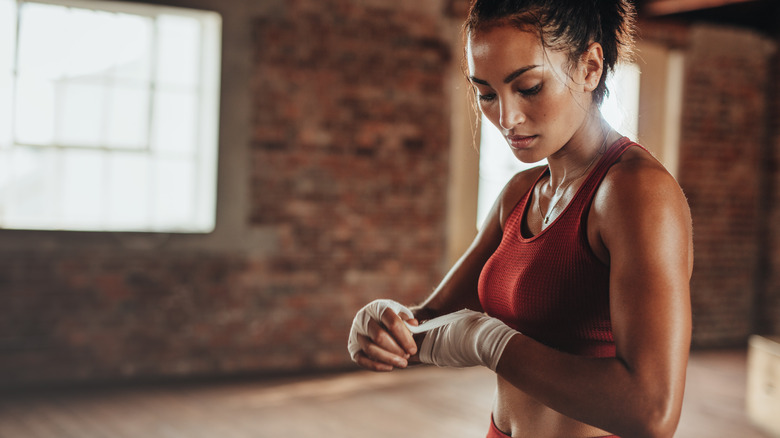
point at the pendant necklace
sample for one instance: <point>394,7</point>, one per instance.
<point>546,218</point>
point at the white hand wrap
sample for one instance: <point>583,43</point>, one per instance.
<point>372,310</point>
<point>470,339</point>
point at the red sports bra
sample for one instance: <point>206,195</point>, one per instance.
<point>551,286</point>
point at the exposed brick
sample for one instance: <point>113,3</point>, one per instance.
<point>724,110</point>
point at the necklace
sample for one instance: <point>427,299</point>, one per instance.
<point>562,186</point>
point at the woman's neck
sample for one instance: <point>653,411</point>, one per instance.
<point>575,157</point>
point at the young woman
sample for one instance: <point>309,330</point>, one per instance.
<point>577,286</point>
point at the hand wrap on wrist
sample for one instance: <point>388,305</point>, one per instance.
<point>372,310</point>
<point>470,339</point>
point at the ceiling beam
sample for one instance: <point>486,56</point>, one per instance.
<point>655,8</point>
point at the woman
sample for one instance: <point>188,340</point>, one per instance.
<point>578,283</point>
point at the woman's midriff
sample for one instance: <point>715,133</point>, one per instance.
<point>520,415</point>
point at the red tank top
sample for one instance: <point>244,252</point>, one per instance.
<point>551,286</point>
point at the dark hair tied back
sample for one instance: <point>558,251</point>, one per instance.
<point>567,25</point>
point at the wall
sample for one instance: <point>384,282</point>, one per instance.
<point>722,166</point>
<point>722,139</point>
<point>332,192</point>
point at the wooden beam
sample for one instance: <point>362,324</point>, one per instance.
<point>656,8</point>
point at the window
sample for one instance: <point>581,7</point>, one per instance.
<point>108,116</point>
<point>497,164</point>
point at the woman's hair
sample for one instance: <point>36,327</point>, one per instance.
<point>565,25</point>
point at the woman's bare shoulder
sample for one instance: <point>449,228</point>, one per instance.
<point>639,195</point>
<point>636,175</point>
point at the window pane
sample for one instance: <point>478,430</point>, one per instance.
<point>91,39</point>
<point>129,183</point>
<point>72,42</point>
<point>7,38</point>
<point>179,42</point>
<point>128,117</point>
<point>33,192</point>
<point>34,111</point>
<point>133,48</point>
<point>81,109</point>
<point>7,35</point>
<point>43,40</point>
<point>82,189</point>
<point>173,195</point>
<point>175,124</point>
<point>5,180</point>
<point>6,109</point>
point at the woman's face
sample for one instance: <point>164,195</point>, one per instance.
<point>527,92</point>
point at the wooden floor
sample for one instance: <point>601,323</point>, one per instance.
<point>422,401</point>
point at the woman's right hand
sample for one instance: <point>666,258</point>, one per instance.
<point>379,340</point>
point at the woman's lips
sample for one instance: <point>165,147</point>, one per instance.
<point>520,141</point>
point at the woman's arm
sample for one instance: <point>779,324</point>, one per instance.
<point>645,228</point>
<point>390,343</point>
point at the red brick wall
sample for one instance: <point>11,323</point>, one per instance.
<point>94,316</point>
<point>349,161</point>
<point>723,135</point>
<point>724,149</point>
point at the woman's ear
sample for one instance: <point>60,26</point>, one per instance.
<point>592,65</point>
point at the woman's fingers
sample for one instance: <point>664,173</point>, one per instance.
<point>379,354</point>
<point>369,364</point>
<point>384,339</point>
<point>381,345</point>
<point>398,330</point>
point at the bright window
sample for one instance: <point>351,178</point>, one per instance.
<point>497,164</point>
<point>108,116</point>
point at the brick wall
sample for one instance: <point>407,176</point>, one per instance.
<point>332,192</point>
<point>349,160</point>
<point>723,133</point>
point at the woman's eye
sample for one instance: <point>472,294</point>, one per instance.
<point>487,97</point>
<point>531,91</point>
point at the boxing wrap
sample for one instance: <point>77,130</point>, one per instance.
<point>469,339</point>
<point>372,310</point>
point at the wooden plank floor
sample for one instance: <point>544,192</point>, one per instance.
<point>436,402</point>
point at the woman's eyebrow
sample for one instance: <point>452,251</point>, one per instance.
<point>511,77</point>
<point>479,81</point>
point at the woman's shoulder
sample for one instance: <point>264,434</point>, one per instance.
<point>637,181</point>
<point>522,181</point>
<point>638,169</point>
<point>640,209</point>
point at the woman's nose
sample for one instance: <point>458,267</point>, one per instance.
<point>511,116</point>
